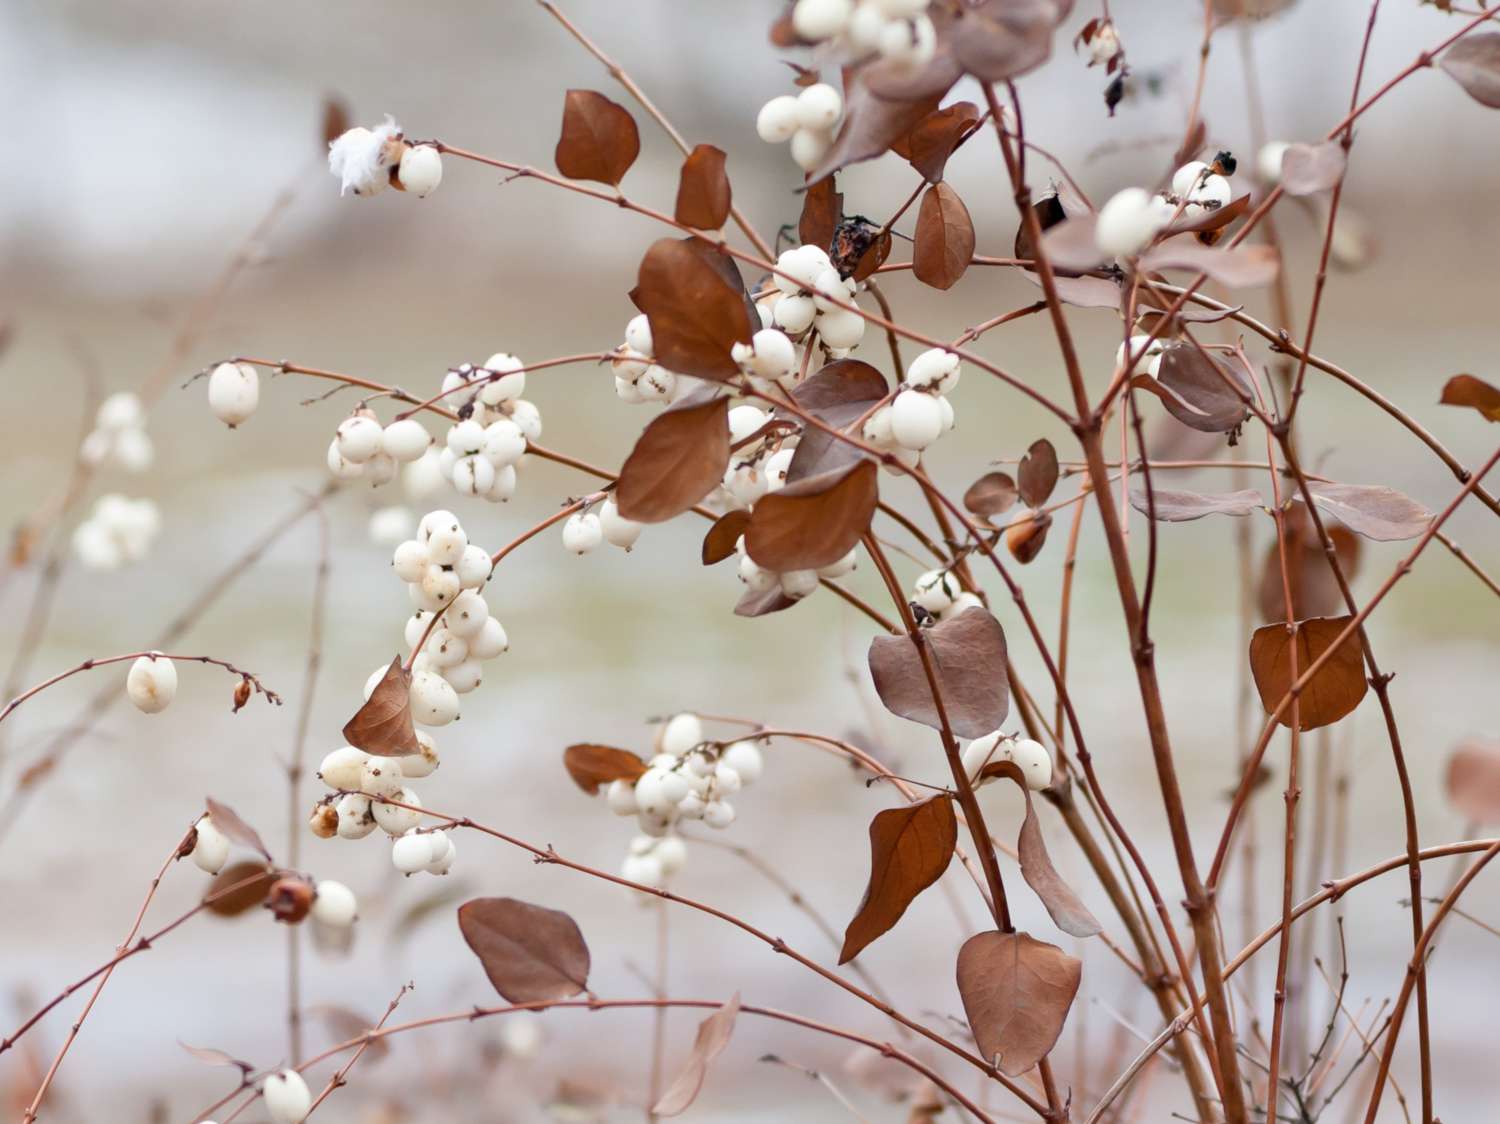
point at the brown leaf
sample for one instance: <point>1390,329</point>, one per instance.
<point>1182,507</point>
<point>1375,511</point>
<point>593,765</point>
<point>713,1035</point>
<point>258,879</point>
<point>1197,388</point>
<point>1049,213</point>
<point>932,140</point>
<point>1315,589</point>
<point>815,521</point>
<point>335,118</point>
<point>696,314</point>
<point>227,820</point>
<point>1027,534</point>
<point>1070,244</point>
<point>992,494</point>
<point>1037,473</point>
<point>531,954</point>
<point>210,1056</point>
<point>599,140</point>
<point>703,189</point>
<point>722,537</point>
<point>1333,692</point>
<point>383,725</point>
<point>968,656</point>
<point>1474,781</point>
<point>871,124</point>
<point>1466,390</point>
<point>945,238</point>
<point>1241,266</point>
<point>1474,63</point>
<point>910,847</point>
<point>1001,39</point>
<point>1083,292</point>
<point>822,211</point>
<point>1016,992</point>
<point>838,395</point>
<point>762,602</point>
<point>1209,221</point>
<point>678,459</point>
<point>1310,168</point>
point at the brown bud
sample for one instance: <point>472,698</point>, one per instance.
<point>241,694</point>
<point>189,843</point>
<point>289,899</point>
<point>324,821</point>
<point>1026,535</point>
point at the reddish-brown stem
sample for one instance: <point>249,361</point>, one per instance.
<point>341,1075</point>
<point>103,661</point>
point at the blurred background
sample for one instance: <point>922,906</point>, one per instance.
<point>151,138</point>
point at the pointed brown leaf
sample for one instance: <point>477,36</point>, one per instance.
<point>703,189</point>
<point>257,881</point>
<point>722,537</point>
<point>1016,992</point>
<point>822,211</point>
<point>1182,507</point>
<point>1473,781</point>
<point>713,1035</point>
<point>994,493</point>
<point>383,725</point>
<point>1474,63</point>
<point>678,459</point>
<point>227,820</point>
<point>599,140</point>
<point>815,521</point>
<point>531,954</point>
<point>945,238</point>
<point>1198,389</point>
<point>1466,390</point>
<point>910,847</point>
<point>696,314</point>
<point>1037,473</point>
<point>1310,168</point>
<point>593,765</point>
<point>1336,688</point>
<point>968,656</point>
<point>929,144</point>
<point>1241,266</point>
<point>1315,589</point>
<point>210,1056</point>
<point>1372,510</point>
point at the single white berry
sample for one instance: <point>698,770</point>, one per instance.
<point>965,600</point>
<point>644,869</point>
<point>844,565</point>
<point>819,106</point>
<point>358,438</point>
<point>416,625</point>
<point>288,1100</point>
<point>754,576</point>
<point>381,776</point>
<point>406,440</point>
<point>841,327</point>
<point>620,796</point>
<point>935,590</point>
<point>726,780</point>
<point>344,768</point>
<point>691,807</point>
<point>473,476</point>
<point>446,542</point>
<point>649,797</point>
<point>439,585</point>
<point>466,437</point>
<point>467,614</point>
<point>395,820</point>
<point>233,392</point>
<point>981,752</point>
<point>773,354</point>
<point>390,525</point>
<point>334,904</point>
<point>151,683</point>
<point>445,649</point>
<point>339,467</point>
<point>423,478</point>
<point>1145,351</point>
<point>909,42</point>
<point>638,335</point>
<point>490,641</point>
<point>504,443</point>
<point>798,584</point>
<point>718,813</point>
<point>809,146</point>
<point>744,757</point>
<point>775,468</point>
<point>421,169</point>
<point>671,852</point>
<point>1127,223</point>
<point>743,421</point>
<point>777,120</point>
<point>582,533</point>
<point>444,851</point>
<point>504,485</point>
<point>528,417</point>
<point>1268,161</point>
<point>1189,177</point>
<point>121,410</point>
<point>355,818</point>
<point>935,369</point>
<point>211,849</point>
<point>411,853</point>
<point>916,419</point>
<point>617,530</point>
<point>1034,761</point>
<point>821,19</point>
<point>506,380</point>
<point>415,766</point>
<point>434,702</point>
<point>1214,192</point>
<point>410,561</point>
<point>680,734</point>
<point>795,314</point>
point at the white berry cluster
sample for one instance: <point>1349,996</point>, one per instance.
<point>795,584</point>
<point>807,287</point>
<point>365,783</point>
<point>898,30</point>
<point>118,531</point>
<point>1132,218</point>
<point>584,530</point>
<point>808,120</point>
<point>921,412</point>
<point>367,161</point>
<point>689,778</point>
<point>939,593</point>
<point>638,377</point>
<point>119,438</point>
<point>1031,757</point>
<point>391,525</point>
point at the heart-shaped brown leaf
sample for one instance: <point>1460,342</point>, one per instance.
<point>1181,507</point>
<point>678,459</point>
<point>1016,992</point>
<point>696,314</point>
<point>968,656</point>
<point>593,765</point>
<point>239,887</point>
<point>723,536</point>
<point>599,140</point>
<point>227,820</point>
<point>1315,589</point>
<point>1473,781</point>
<point>1375,511</point>
<point>1334,690</point>
<point>994,493</point>
<point>383,725</point>
<point>945,238</point>
<point>531,954</point>
<point>929,144</point>
<point>822,211</point>
<point>1474,63</point>
<point>1466,390</point>
<point>910,847</point>
<point>997,40</point>
<point>815,521</point>
<point>1237,267</point>
<point>1198,389</point>
<point>713,1035</point>
<point>703,189</point>
<point>1037,473</point>
<point>1310,168</point>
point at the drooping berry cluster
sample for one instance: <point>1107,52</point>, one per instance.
<point>117,532</point>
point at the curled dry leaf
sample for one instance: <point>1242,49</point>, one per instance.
<point>1025,537</point>
<point>1315,589</point>
<point>696,305</point>
<point>1336,688</point>
<point>227,820</point>
<point>531,954</point>
<point>932,140</point>
<point>1466,390</point>
<point>1309,168</point>
<point>1473,781</point>
<point>1241,266</point>
<point>1199,389</point>
<point>593,765</point>
<point>822,211</point>
<point>257,879</point>
<point>383,725</point>
<point>994,493</point>
<point>1016,992</point>
<point>678,459</point>
<point>910,847</point>
<point>1182,507</point>
<point>1373,510</point>
<point>1474,63</point>
<point>703,193</point>
<point>815,521</point>
<point>714,1033</point>
<point>599,140</point>
<point>760,603</point>
<point>968,657</point>
<point>1050,210</point>
<point>945,238</point>
<point>720,541</point>
<point>1037,473</point>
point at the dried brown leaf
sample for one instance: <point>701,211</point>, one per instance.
<point>227,820</point>
<point>1182,507</point>
<point>257,878</point>
<point>814,521</point>
<point>945,238</point>
<point>1474,63</point>
<point>1310,168</point>
<point>968,656</point>
<point>720,541</point>
<point>678,459</point>
<point>593,765</point>
<point>599,140</point>
<point>1372,510</point>
<point>383,726</point>
<point>1016,992</point>
<point>1336,688</point>
<point>1241,266</point>
<point>1315,589</point>
<point>209,1056</point>
<point>1037,473</point>
<point>714,1033</point>
<point>703,193</point>
<point>1198,388</point>
<point>762,602</point>
<point>910,847</point>
<point>997,40</point>
<point>932,140</point>
<point>994,493</point>
<point>696,305</point>
<point>1466,390</point>
<point>822,211</point>
<point>531,954</point>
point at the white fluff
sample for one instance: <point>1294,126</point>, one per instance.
<point>362,158</point>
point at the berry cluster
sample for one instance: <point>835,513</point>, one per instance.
<point>939,593</point>
<point>119,438</point>
<point>808,120</point>
<point>1031,757</point>
<point>584,530</point>
<point>920,413</point>
<point>118,531</point>
<point>807,287</point>
<point>897,30</point>
<point>1132,218</point>
<point>367,161</point>
<point>638,377</point>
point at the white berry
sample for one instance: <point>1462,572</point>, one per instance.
<point>233,392</point>
<point>211,849</point>
<point>151,683</point>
